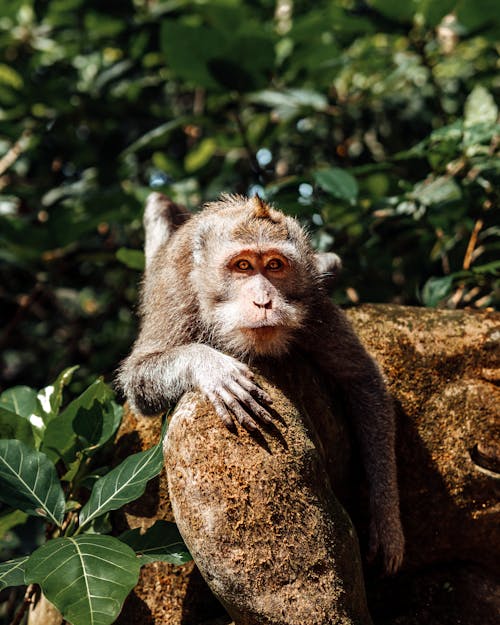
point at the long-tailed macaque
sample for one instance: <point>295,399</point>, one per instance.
<point>240,281</point>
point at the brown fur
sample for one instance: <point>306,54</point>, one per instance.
<point>204,320</point>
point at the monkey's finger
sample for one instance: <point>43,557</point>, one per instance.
<point>249,402</point>
<point>235,407</point>
<point>255,390</point>
<point>392,563</point>
<point>221,411</point>
<point>258,410</point>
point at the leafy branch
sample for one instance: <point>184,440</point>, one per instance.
<point>80,569</point>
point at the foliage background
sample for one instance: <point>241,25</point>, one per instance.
<point>375,122</point>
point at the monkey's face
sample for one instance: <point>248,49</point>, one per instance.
<point>255,276</point>
<point>253,308</point>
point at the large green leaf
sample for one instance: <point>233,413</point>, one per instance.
<point>35,407</point>
<point>14,426</point>
<point>12,572</point>
<point>50,397</point>
<point>87,578</point>
<point>131,258</point>
<point>28,480</point>
<point>214,56</point>
<point>11,519</point>
<point>24,402</point>
<point>437,191</point>
<point>189,48</point>
<point>20,399</point>
<point>436,290</point>
<point>435,11</point>
<point>200,155</point>
<point>123,484</point>
<point>288,103</point>
<point>97,424</point>
<point>338,183</point>
<point>398,11</point>
<point>478,14</point>
<point>95,403</point>
<point>162,541</point>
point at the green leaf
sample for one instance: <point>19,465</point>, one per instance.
<point>97,424</point>
<point>22,400</point>
<point>442,189</point>
<point>60,438</point>
<point>11,519</point>
<point>480,107</point>
<point>200,155</point>
<point>87,578</point>
<point>123,484</point>
<point>9,76</point>
<point>14,426</point>
<point>338,183</point>
<point>435,11</point>
<point>12,572</point>
<point>245,64</point>
<point>50,397</point>
<point>131,258</point>
<point>214,56</point>
<point>28,480</point>
<point>162,542</point>
<point>188,50</point>
<point>476,14</point>
<point>492,268</point>
<point>436,289</point>
<point>156,137</point>
<point>288,103</point>
<point>398,11</point>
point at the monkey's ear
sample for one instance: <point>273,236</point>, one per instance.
<point>328,265</point>
<point>161,217</point>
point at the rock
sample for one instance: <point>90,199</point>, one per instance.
<point>258,513</point>
<point>449,412</point>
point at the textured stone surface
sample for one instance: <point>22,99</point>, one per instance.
<point>443,368</point>
<point>258,513</point>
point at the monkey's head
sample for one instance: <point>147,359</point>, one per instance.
<point>255,274</point>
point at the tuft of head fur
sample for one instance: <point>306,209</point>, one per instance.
<point>260,208</point>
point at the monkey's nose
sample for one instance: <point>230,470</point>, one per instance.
<point>267,305</point>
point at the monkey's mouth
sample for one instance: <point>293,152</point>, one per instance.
<point>262,331</point>
<point>258,325</point>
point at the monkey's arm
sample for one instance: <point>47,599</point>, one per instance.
<point>154,380</point>
<point>342,357</point>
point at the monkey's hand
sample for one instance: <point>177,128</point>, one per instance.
<point>386,537</point>
<point>230,387</point>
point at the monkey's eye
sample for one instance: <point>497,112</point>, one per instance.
<point>275,264</point>
<point>243,265</point>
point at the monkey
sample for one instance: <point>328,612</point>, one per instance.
<point>237,281</point>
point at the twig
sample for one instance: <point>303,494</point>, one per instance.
<point>472,244</point>
<point>14,152</point>
<point>27,601</point>
<point>445,261</point>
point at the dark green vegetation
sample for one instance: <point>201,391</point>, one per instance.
<point>375,122</point>
<point>55,488</point>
